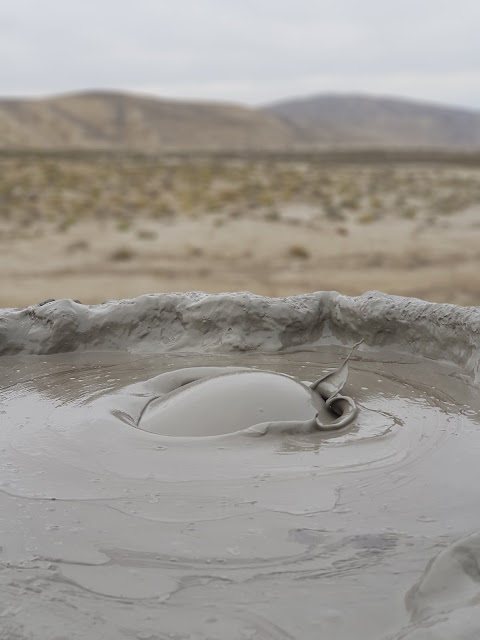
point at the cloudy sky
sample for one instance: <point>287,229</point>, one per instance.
<point>250,51</point>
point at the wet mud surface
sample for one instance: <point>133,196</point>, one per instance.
<point>111,531</point>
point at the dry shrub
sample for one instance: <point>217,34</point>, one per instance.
<point>366,218</point>
<point>146,234</point>
<point>195,251</point>
<point>79,245</point>
<point>375,259</point>
<point>409,213</point>
<point>298,251</point>
<point>123,225</point>
<point>272,216</point>
<point>122,254</point>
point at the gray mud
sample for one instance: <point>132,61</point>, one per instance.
<point>111,531</point>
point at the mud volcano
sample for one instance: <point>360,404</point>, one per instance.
<point>113,528</point>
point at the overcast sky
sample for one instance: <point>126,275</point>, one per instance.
<point>250,51</point>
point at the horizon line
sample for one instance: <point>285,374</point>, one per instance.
<point>225,101</point>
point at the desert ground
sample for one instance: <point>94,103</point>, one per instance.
<point>96,227</point>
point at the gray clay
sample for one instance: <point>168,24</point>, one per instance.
<point>212,401</point>
<point>112,528</point>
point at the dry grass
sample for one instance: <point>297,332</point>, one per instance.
<point>110,227</point>
<point>298,251</point>
<point>122,254</point>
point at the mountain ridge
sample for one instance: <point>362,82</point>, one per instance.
<point>115,120</point>
<point>381,120</point>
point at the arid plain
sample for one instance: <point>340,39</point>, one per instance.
<point>98,226</point>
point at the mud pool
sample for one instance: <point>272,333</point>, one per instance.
<point>116,532</point>
<point>111,531</point>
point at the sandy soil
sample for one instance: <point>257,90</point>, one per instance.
<point>94,263</point>
<point>289,245</point>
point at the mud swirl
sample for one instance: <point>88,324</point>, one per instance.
<point>126,533</point>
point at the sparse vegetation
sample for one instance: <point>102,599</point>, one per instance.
<point>251,222</point>
<point>125,189</point>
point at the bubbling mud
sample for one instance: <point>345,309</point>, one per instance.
<point>217,401</point>
<point>119,531</point>
<point>121,514</point>
<point>229,403</point>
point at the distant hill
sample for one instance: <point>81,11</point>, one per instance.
<point>118,121</point>
<point>358,120</point>
<point>108,120</point>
